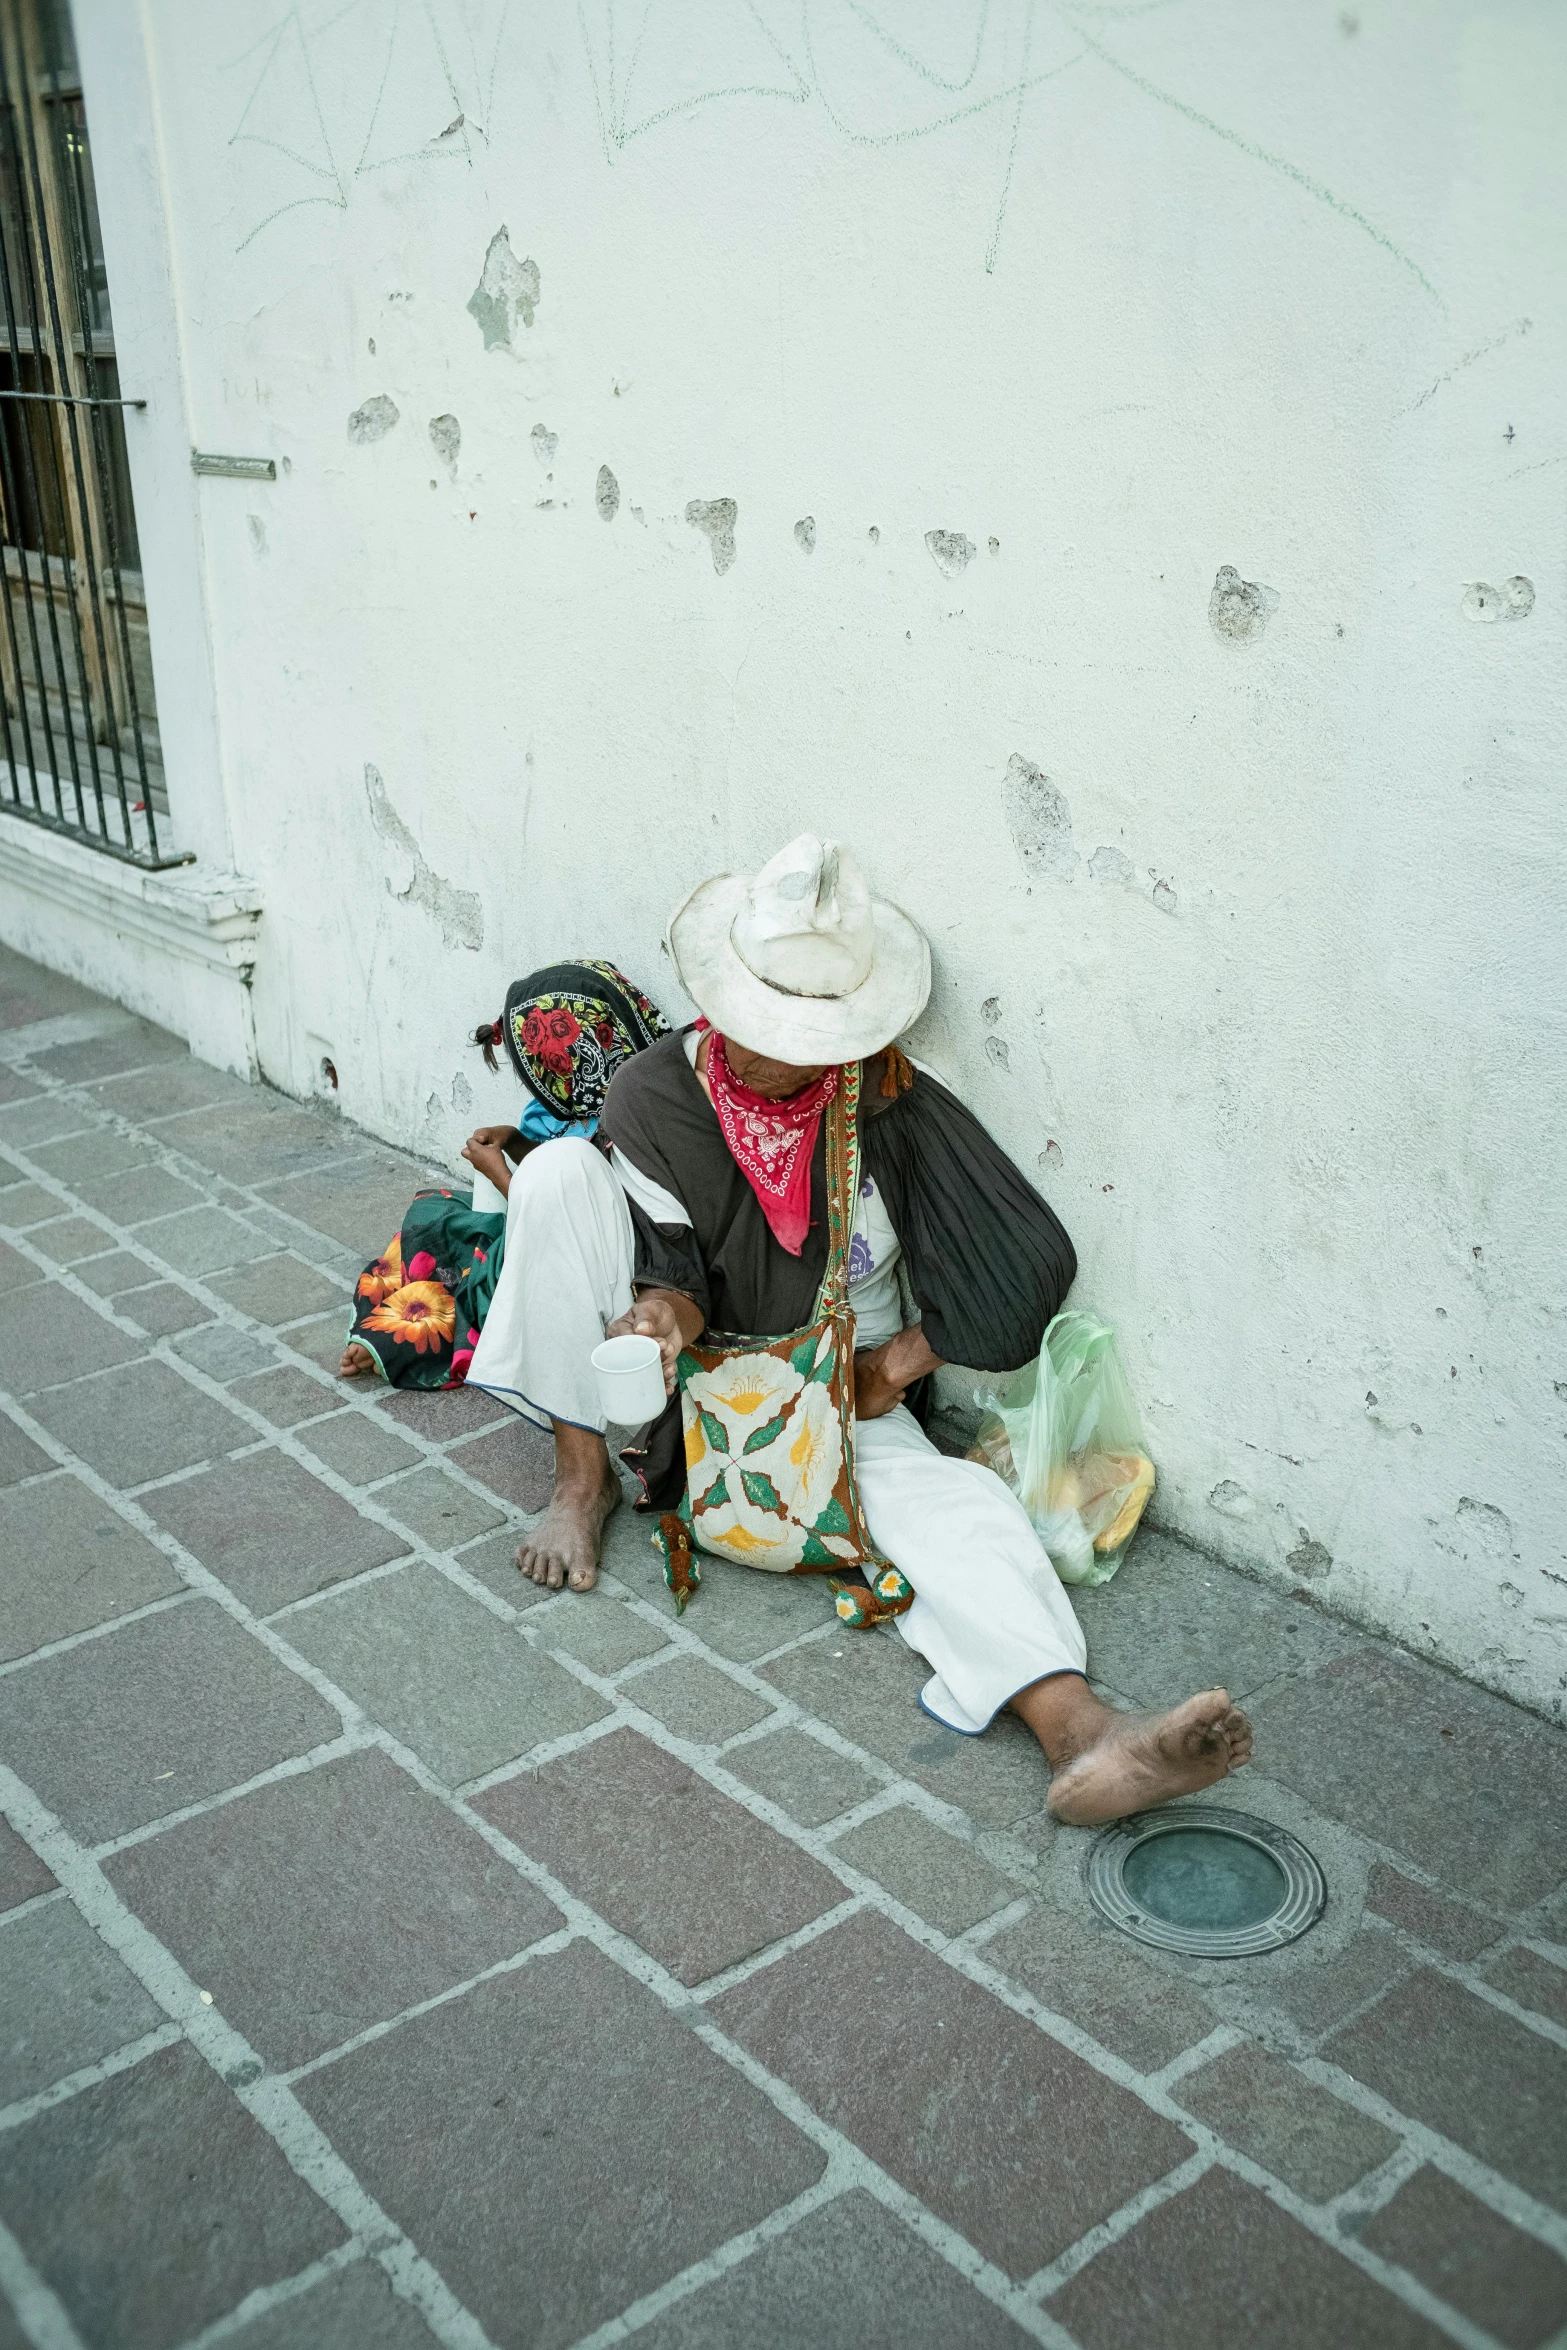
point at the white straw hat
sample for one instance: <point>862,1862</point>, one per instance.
<point>801,962</point>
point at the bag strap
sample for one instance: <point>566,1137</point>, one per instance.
<point>843,1183</point>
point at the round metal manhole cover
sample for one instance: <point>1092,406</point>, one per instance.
<point>1211,1883</point>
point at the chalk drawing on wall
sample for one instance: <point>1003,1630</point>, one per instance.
<point>418,65</point>
<point>678,62</point>
<point>1276,163</point>
<point>1466,359</point>
<point>847,46</point>
<point>666,71</point>
<point>421,76</point>
<point>283,113</point>
<point>426,68</point>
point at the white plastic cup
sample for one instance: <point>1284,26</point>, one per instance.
<point>630,1375</point>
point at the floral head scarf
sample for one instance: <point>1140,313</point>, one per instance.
<point>567,1030</point>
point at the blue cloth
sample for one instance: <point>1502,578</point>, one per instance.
<point>542,1125</point>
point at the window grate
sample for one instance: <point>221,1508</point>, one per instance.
<point>78,718</point>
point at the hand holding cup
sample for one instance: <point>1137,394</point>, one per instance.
<point>654,1315</point>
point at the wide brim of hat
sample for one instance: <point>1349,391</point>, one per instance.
<point>800,1029</point>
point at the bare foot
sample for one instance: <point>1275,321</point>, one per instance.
<point>357,1362</point>
<point>563,1548</point>
<point>1135,1760</point>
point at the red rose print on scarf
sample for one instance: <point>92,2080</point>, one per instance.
<point>551,1035</point>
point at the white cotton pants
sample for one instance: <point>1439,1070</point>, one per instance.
<point>565,1275</point>
<point>990,1616</point>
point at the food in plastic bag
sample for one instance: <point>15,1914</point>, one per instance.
<point>1065,1435</point>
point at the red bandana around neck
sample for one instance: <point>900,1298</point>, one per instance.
<point>772,1143</point>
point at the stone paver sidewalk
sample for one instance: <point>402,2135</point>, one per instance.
<point>393,1953</point>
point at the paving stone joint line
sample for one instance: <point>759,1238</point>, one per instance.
<point>266,2298</point>
<point>1056,2026</point>
<point>847,2164</point>
<point>648,1971</point>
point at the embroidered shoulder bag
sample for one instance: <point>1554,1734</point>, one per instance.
<point>769,1432</point>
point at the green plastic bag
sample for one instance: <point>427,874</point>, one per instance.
<point>1065,1434</point>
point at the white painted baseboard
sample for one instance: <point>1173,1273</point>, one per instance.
<point>178,947</point>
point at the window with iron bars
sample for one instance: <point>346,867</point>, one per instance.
<point>78,721</point>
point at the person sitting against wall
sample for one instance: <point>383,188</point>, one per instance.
<point>715,1213</point>
<point>421,1305</point>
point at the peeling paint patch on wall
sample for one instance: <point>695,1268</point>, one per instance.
<point>1107,864</point>
<point>446,437</point>
<point>458,912</point>
<point>716,518</point>
<point>1310,1560</point>
<point>1513,600</point>
<point>1483,1528</point>
<point>545,443</point>
<point>1039,820</point>
<point>1239,609</point>
<point>506,295</point>
<point>950,551</point>
<point>606,495</point>
<point>805,534</point>
<point>373,421</point>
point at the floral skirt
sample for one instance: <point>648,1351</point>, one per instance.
<point>420,1306</point>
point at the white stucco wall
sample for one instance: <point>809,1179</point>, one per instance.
<point>1266,984</point>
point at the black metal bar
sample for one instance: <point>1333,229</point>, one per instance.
<point>46,264</point>
<point>16,659</point>
<point>71,399</point>
<point>162,863</point>
<point>5,720</point>
<point>30,225</point>
<point>15,802</point>
<point>99,438</point>
<point>63,376</point>
<point>12,162</point>
<point>99,346</point>
<point>13,509</point>
<point>86,315</point>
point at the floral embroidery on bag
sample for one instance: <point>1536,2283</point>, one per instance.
<point>761,1427</point>
<point>769,1436</point>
